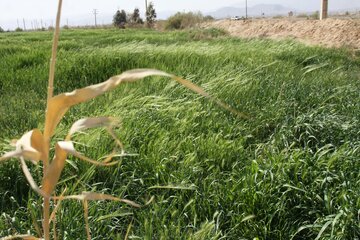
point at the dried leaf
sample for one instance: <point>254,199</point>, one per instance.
<point>30,179</point>
<point>25,237</point>
<point>54,170</point>
<point>90,196</point>
<point>95,122</point>
<point>30,147</point>
<point>13,142</point>
<point>69,148</point>
<point>87,123</point>
<point>60,104</point>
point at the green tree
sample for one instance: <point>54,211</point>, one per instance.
<point>1,30</point>
<point>120,18</point>
<point>135,17</point>
<point>150,15</point>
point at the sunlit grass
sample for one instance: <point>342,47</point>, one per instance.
<point>288,171</point>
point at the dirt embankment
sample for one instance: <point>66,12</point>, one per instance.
<point>330,32</point>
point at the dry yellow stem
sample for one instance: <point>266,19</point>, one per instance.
<point>86,217</point>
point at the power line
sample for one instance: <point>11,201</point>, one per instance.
<point>95,12</point>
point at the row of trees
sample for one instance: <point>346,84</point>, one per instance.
<point>121,18</point>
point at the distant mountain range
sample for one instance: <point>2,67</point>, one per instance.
<point>269,10</point>
<point>257,10</point>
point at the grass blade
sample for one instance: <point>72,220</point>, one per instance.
<point>192,187</point>
<point>322,230</point>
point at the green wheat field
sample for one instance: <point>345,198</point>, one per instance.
<point>289,171</point>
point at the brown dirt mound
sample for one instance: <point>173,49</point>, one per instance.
<point>330,32</point>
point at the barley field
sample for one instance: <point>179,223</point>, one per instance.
<point>288,171</point>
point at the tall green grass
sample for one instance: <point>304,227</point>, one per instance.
<point>291,170</point>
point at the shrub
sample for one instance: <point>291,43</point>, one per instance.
<point>18,29</point>
<point>278,16</point>
<point>184,20</point>
<point>209,18</point>
<point>1,30</point>
<point>302,15</point>
<point>315,15</point>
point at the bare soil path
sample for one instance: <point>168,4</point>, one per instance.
<point>329,33</point>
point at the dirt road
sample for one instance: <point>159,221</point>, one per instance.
<point>330,32</point>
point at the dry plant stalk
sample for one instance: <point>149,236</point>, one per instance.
<point>35,145</point>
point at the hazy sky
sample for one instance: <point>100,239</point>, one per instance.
<point>81,10</point>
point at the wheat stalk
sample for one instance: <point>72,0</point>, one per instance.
<point>46,208</point>
<point>35,145</point>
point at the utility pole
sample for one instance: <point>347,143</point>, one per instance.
<point>246,9</point>
<point>324,9</point>
<point>146,9</point>
<point>95,12</point>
